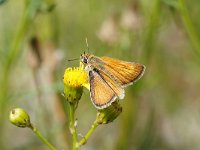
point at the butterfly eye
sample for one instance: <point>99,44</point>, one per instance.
<point>85,60</point>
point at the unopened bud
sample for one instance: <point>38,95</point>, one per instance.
<point>19,117</point>
<point>109,114</point>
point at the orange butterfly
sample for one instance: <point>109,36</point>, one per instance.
<point>108,77</point>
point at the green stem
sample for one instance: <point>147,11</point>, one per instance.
<point>11,56</point>
<point>151,31</point>
<point>20,34</point>
<point>189,26</point>
<point>72,126</point>
<point>13,51</point>
<point>89,133</point>
<point>42,138</point>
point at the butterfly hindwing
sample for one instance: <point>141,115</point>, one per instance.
<point>101,93</point>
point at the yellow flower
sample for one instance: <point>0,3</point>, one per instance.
<point>76,77</point>
<point>74,80</point>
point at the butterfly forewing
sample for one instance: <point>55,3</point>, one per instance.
<point>101,93</point>
<point>123,72</point>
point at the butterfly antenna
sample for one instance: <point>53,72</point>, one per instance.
<point>73,59</point>
<point>87,45</point>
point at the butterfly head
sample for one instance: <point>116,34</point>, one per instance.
<point>84,58</point>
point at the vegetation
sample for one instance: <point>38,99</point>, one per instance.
<point>161,111</point>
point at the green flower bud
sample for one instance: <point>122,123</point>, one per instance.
<point>19,117</point>
<point>109,114</point>
<point>73,95</point>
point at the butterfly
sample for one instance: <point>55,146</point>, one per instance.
<point>108,77</point>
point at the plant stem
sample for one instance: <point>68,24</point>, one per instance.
<point>189,26</point>
<point>11,56</point>
<point>72,126</point>
<point>151,31</point>
<point>42,138</point>
<point>12,53</point>
<point>89,133</point>
<point>20,34</point>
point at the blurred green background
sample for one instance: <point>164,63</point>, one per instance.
<point>160,112</point>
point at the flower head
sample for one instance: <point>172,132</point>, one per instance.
<point>75,77</point>
<point>74,80</point>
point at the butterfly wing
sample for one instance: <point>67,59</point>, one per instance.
<point>125,73</point>
<point>114,85</point>
<point>101,93</point>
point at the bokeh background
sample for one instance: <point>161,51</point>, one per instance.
<point>160,112</point>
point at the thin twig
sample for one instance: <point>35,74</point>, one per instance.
<point>89,133</point>
<point>42,138</point>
